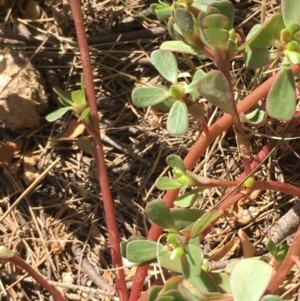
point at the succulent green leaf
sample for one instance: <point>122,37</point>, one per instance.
<point>177,123</point>
<point>256,57</point>
<point>184,217</point>
<point>166,64</point>
<point>271,247</point>
<point>190,292</point>
<point>281,252</point>
<point>202,4</point>
<point>249,279</point>
<point>159,213</point>
<point>154,293</point>
<point>215,21</point>
<point>149,96</point>
<point>271,298</point>
<point>259,37</point>
<point>255,117</point>
<point>166,105</point>
<point>165,261</point>
<point>184,20</point>
<point>217,37</point>
<point>188,199</point>
<point>281,100</point>
<point>78,97</point>
<point>164,14</point>
<point>140,251</point>
<point>203,222</point>
<point>124,243</point>
<point>222,280</point>
<point>215,88</point>
<point>292,56</point>
<point>291,13</point>
<point>270,31</point>
<point>191,264</point>
<point>165,183</point>
<point>198,74</point>
<point>57,114</point>
<point>64,96</point>
<point>182,47</point>
<point>85,114</point>
<point>226,8</point>
<point>175,161</point>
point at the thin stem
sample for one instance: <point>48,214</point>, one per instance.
<point>98,151</point>
<point>17,260</point>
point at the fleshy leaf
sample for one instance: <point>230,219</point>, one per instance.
<point>190,292</point>
<point>57,114</point>
<point>78,97</point>
<point>215,21</point>
<point>149,96</point>
<point>226,8</point>
<point>166,183</point>
<point>271,298</point>
<point>188,199</point>
<point>154,293</point>
<point>255,117</point>
<point>261,36</point>
<point>64,96</point>
<point>177,123</point>
<point>191,264</point>
<point>217,37</point>
<point>198,74</point>
<point>215,88</point>
<point>281,100</point>
<point>184,20</point>
<point>85,114</point>
<point>166,64</point>
<point>256,57</point>
<point>185,217</point>
<point>182,47</point>
<point>175,161</point>
<point>203,222</point>
<point>291,13</point>
<point>140,251</point>
<point>222,280</point>
<point>271,247</point>
<point>160,214</point>
<point>249,279</point>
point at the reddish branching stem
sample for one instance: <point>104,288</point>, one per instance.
<point>192,157</point>
<point>98,151</point>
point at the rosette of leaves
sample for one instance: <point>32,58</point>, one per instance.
<point>74,101</point>
<point>209,33</point>
<point>175,98</point>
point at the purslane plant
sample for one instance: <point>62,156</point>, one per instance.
<point>205,29</point>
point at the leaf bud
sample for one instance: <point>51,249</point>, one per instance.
<point>177,91</point>
<point>286,35</point>
<point>176,253</point>
<point>248,183</point>
<point>292,46</point>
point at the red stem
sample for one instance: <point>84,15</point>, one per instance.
<point>286,265</point>
<point>98,151</point>
<point>193,156</point>
<point>17,260</point>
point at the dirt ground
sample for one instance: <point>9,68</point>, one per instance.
<point>50,210</point>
